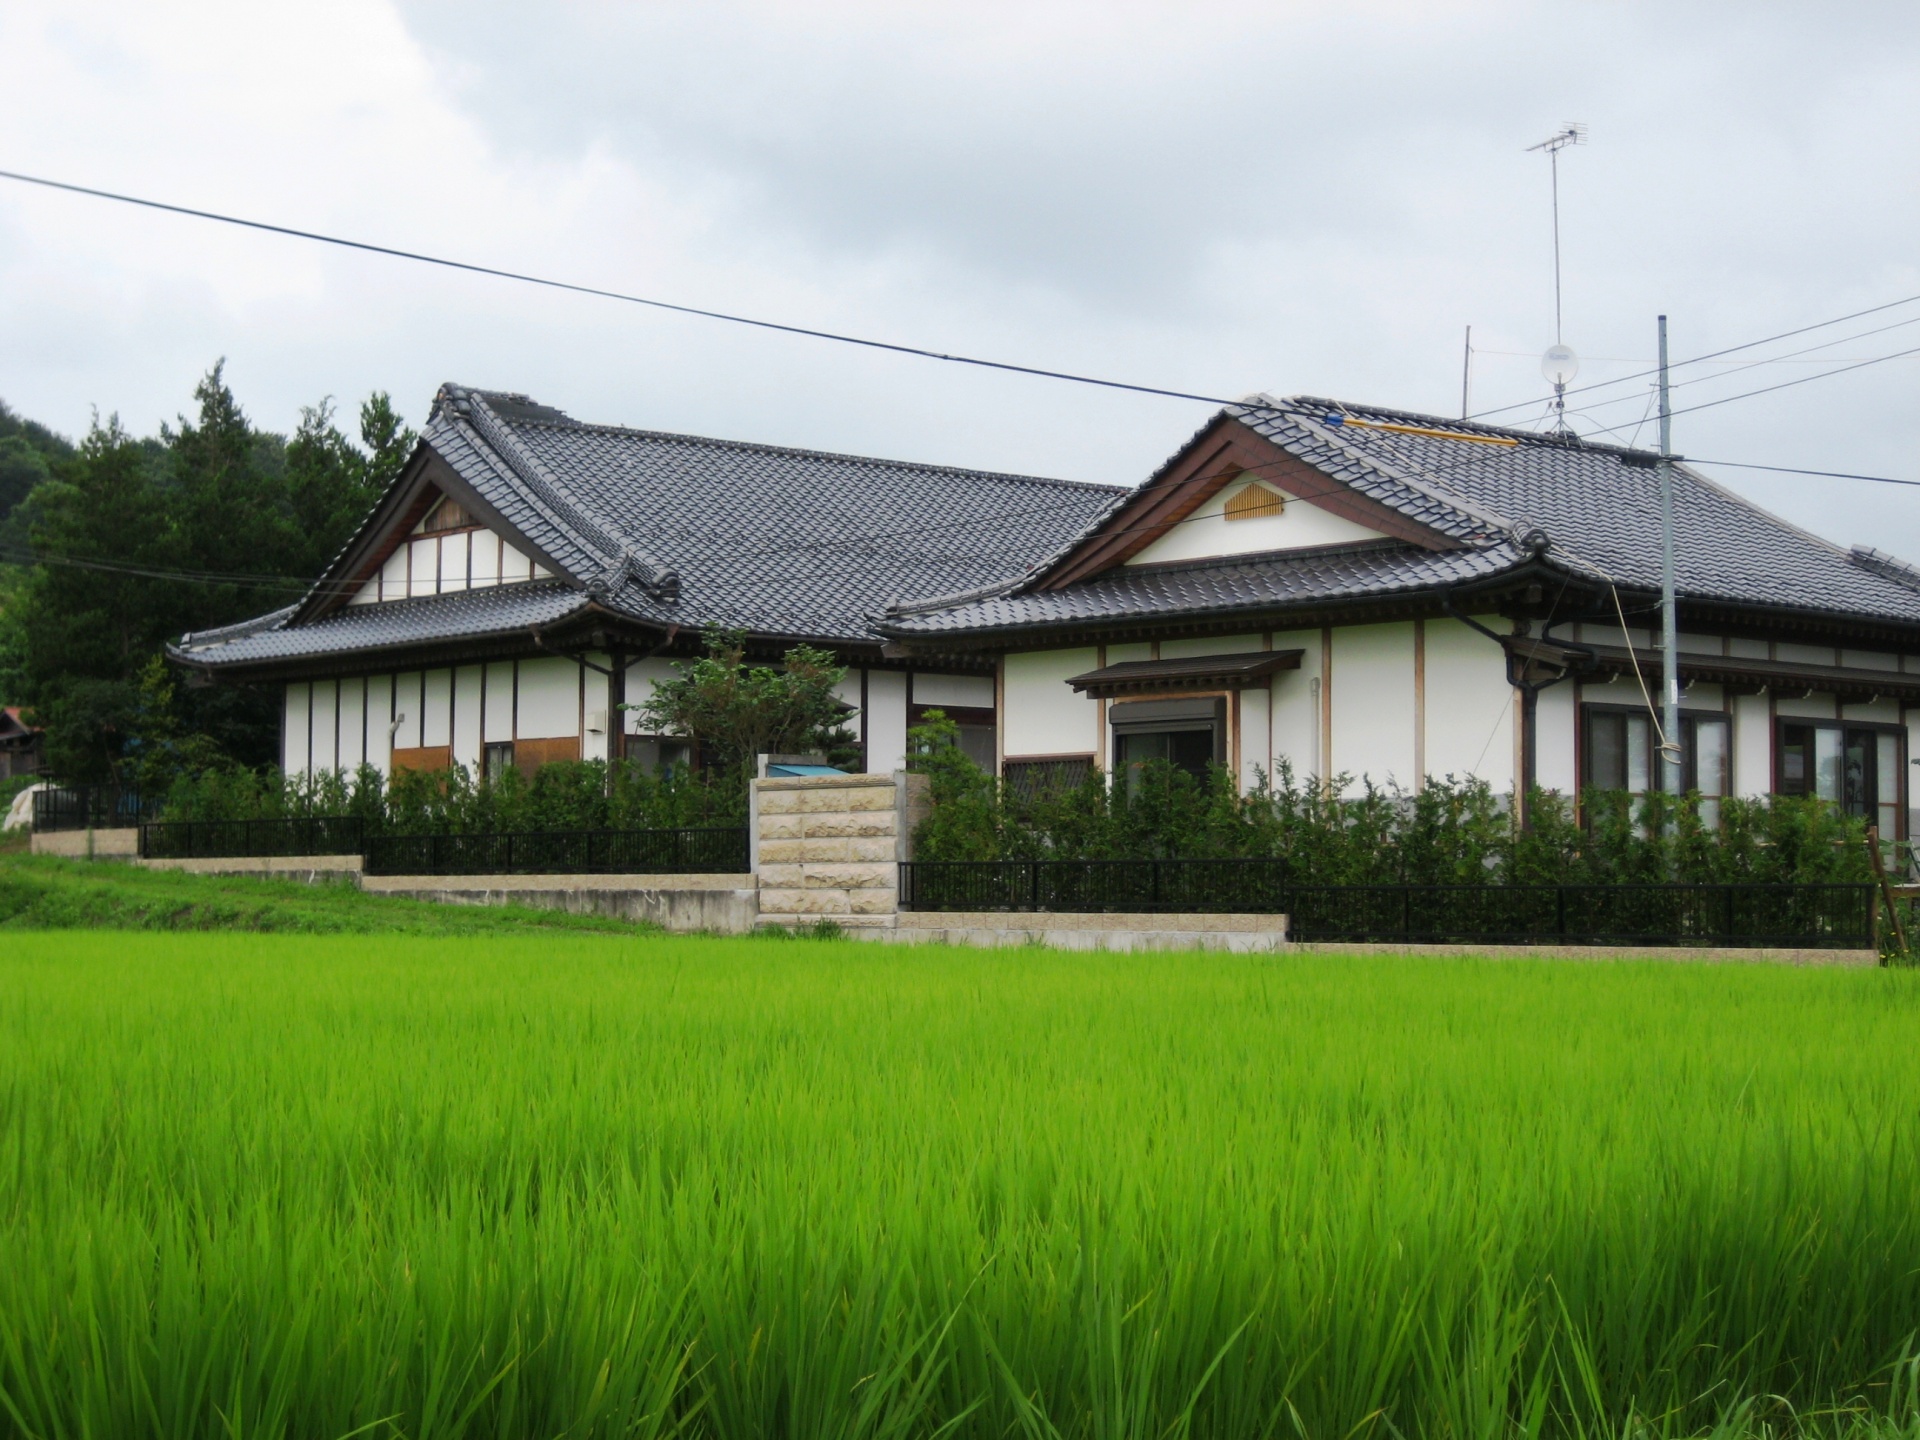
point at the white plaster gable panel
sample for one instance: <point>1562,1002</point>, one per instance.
<point>438,564</point>
<point>1300,525</point>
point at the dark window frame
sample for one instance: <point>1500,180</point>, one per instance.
<point>1689,746</point>
<point>1782,723</point>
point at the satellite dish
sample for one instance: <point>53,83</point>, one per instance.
<point>1560,365</point>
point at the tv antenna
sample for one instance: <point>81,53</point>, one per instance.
<point>1559,365</point>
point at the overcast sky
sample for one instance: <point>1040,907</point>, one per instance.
<point>1215,197</point>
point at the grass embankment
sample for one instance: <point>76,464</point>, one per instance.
<point>44,893</point>
<point>511,1187</point>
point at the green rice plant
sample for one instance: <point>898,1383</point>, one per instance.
<point>424,1186</point>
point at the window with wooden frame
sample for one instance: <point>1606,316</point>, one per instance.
<point>1619,751</point>
<point>1253,501</point>
<point>1860,767</point>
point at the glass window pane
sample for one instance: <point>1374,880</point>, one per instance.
<point>1856,774</point>
<point>1639,753</point>
<point>1828,762</point>
<point>1796,745</point>
<point>1710,756</point>
<point>1606,754</point>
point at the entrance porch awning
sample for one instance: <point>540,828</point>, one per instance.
<point>1192,672</point>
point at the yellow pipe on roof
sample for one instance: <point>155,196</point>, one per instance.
<point>1430,433</point>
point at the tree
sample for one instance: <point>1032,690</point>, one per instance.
<point>135,541</point>
<point>737,711</point>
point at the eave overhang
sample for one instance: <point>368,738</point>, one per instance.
<point>1201,672</point>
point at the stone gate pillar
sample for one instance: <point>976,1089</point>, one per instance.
<point>829,847</point>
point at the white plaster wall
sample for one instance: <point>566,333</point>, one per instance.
<point>326,719</point>
<point>466,716</point>
<point>1746,649</point>
<point>1207,532</point>
<point>1253,737</point>
<point>1798,654</point>
<point>436,708</point>
<point>497,719</point>
<point>1206,645</point>
<point>1555,759</point>
<point>1134,650</point>
<point>643,675</point>
<point>1806,707</point>
<point>353,723</point>
<point>294,733</point>
<point>593,708</point>
<point>1373,708</point>
<point>1044,716</point>
<point>1752,746</point>
<point>423,567</point>
<point>1880,712</point>
<point>549,698</point>
<point>1913,778</point>
<point>1295,716</point>
<point>1595,634</point>
<point>483,564</point>
<point>515,565</point>
<point>379,721</point>
<point>971,691</point>
<point>454,555</point>
<point>1869,660</point>
<point>1469,704</point>
<point>886,721</point>
<point>409,709</point>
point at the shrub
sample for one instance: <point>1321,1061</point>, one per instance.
<point>1452,832</point>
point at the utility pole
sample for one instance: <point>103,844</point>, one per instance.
<point>1669,617</point>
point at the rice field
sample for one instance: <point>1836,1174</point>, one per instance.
<point>543,1185</point>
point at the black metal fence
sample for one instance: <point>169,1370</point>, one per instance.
<point>709,850</point>
<point>1798,916</point>
<point>210,839</point>
<point>90,807</point>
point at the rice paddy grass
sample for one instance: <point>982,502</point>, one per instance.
<point>543,1185</point>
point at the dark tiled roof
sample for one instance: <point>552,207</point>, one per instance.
<point>1598,506</point>
<point>676,529</point>
<point>1601,508</point>
<point>396,624</point>
<point>1219,588</point>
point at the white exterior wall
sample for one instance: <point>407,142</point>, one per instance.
<point>352,744</point>
<point>1294,710</point>
<point>409,702</point>
<point>1373,708</point>
<point>1043,716</point>
<point>549,698</point>
<point>1556,759</point>
<point>294,744</point>
<point>1470,706</point>
<point>963,691</point>
<point>436,708</point>
<point>886,721</point>
<point>1752,746</point>
<point>325,733</point>
<point>464,723</point>
<point>496,700</point>
<point>596,720</point>
<point>380,723</point>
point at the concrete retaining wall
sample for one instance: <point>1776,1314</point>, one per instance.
<point>720,904</point>
<point>88,844</point>
<point>310,868</point>
<point>1090,932</point>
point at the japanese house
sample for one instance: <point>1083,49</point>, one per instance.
<point>1346,591</point>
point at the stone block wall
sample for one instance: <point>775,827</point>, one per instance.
<point>828,847</point>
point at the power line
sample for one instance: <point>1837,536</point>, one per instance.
<point>1697,359</point>
<point>1783,385</point>
<point>594,290</point>
<point>893,347</point>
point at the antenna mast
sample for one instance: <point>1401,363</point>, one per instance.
<point>1560,364</point>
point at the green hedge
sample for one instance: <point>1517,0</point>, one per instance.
<point>1451,832</point>
<point>563,795</point>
